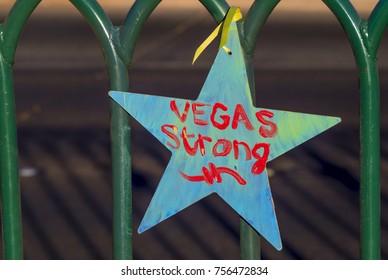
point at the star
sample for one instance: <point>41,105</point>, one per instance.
<point>220,143</point>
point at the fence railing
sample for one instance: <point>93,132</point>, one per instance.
<point>118,44</point>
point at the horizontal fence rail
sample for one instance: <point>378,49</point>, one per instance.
<point>118,44</point>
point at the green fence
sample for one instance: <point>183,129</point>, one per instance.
<point>118,43</point>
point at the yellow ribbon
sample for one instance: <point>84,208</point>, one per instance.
<point>233,15</point>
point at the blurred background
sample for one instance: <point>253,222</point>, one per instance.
<point>303,63</point>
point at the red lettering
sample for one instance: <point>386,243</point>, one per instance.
<point>197,112</point>
<point>198,143</point>
<point>265,132</point>
<point>240,116</point>
<point>171,135</point>
<point>259,166</point>
<point>224,118</point>
<point>227,147</point>
<point>201,144</point>
<point>182,117</point>
<point>189,150</point>
<point>214,174</point>
<point>246,147</point>
<point>233,173</point>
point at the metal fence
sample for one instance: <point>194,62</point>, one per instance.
<point>118,43</point>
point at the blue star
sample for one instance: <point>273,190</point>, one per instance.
<point>220,143</point>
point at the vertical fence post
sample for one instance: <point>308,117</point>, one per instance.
<point>10,190</point>
<point>258,14</point>
<point>107,35</point>
<point>369,159</point>
<point>118,45</point>
<point>372,31</point>
<point>364,37</point>
<point>10,33</point>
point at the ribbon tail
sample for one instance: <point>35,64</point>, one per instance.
<point>207,42</point>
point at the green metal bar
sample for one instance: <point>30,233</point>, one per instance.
<point>254,21</point>
<point>370,131</point>
<point>108,36</point>
<point>133,24</point>
<point>13,26</point>
<point>10,203</point>
<point>217,8</point>
<point>370,159</point>
<point>140,12</point>
<point>365,47</point>
<point>122,183</point>
<point>250,243</point>
<point>250,28</point>
<point>10,189</point>
<point>351,22</point>
<point>378,22</point>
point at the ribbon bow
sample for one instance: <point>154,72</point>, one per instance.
<point>233,15</point>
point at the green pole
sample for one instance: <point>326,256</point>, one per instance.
<point>370,160</point>
<point>217,8</point>
<point>250,244</point>
<point>372,31</point>
<point>370,200</point>
<point>9,175</point>
<point>10,203</point>
<point>118,44</point>
<point>364,37</point>
<point>108,37</point>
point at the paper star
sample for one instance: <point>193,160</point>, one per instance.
<point>220,143</point>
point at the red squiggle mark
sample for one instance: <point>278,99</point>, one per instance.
<point>214,174</point>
